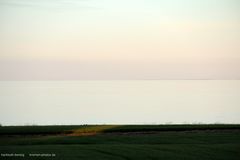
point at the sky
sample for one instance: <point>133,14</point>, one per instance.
<point>44,42</point>
<point>119,102</point>
<point>119,39</point>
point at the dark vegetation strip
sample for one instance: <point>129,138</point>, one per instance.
<point>38,130</point>
<point>68,129</point>
<point>152,128</point>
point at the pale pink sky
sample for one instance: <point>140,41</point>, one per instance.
<point>113,39</point>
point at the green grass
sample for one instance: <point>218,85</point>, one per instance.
<point>188,142</point>
<point>137,151</point>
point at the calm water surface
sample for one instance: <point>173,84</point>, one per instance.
<point>119,102</point>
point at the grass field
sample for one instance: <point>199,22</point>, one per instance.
<point>128,142</point>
